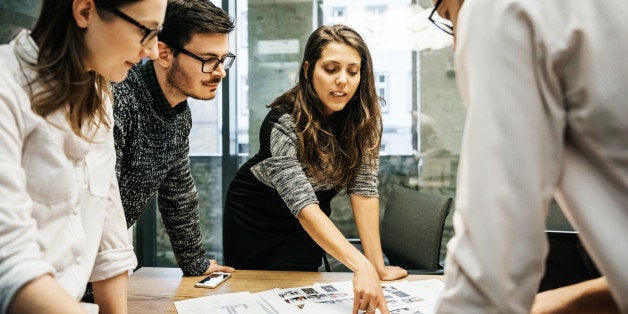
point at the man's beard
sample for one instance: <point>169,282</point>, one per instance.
<point>178,79</point>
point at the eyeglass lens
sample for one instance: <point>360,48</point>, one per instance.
<point>149,35</point>
<point>211,64</point>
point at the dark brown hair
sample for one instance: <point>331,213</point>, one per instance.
<point>61,75</point>
<point>185,18</point>
<point>332,149</point>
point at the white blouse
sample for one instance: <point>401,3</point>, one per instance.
<point>60,208</point>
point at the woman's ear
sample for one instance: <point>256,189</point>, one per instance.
<point>83,12</point>
<point>306,67</point>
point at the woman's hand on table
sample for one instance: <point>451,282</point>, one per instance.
<point>392,273</point>
<point>367,292</point>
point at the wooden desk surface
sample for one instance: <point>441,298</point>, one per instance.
<point>154,289</point>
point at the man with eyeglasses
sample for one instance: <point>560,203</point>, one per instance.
<point>545,87</point>
<point>153,121</point>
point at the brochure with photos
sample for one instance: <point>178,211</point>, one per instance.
<point>416,297</point>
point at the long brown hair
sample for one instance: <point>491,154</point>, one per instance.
<point>332,149</point>
<point>62,78</point>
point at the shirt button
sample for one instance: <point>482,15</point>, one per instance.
<point>79,259</point>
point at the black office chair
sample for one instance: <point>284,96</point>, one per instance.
<point>412,230</point>
<point>556,219</point>
<point>567,261</point>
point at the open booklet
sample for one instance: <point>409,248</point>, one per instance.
<point>417,297</point>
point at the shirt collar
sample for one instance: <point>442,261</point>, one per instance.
<point>159,103</point>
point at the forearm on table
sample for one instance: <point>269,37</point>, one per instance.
<point>44,295</point>
<point>183,228</point>
<point>188,250</point>
<point>179,207</point>
<point>597,297</point>
<point>111,294</point>
<point>592,296</point>
<point>327,236</point>
<point>366,213</point>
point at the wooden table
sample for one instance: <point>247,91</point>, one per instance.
<point>154,289</point>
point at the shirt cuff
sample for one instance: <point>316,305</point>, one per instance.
<point>112,263</point>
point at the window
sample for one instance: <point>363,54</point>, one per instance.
<point>338,12</point>
<point>376,10</point>
<point>376,24</point>
<point>381,84</point>
<point>382,147</point>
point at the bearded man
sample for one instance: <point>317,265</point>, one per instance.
<point>153,122</point>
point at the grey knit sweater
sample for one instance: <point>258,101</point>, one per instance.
<point>152,148</point>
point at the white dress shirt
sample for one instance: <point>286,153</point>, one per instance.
<point>546,86</point>
<point>60,212</point>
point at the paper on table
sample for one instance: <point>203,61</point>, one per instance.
<point>229,303</point>
<point>310,299</point>
<point>411,297</point>
<point>417,297</point>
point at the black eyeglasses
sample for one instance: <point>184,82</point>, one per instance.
<point>149,33</point>
<point>210,65</point>
<point>449,29</point>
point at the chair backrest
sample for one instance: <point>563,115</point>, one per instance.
<point>556,220</point>
<point>412,228</point>
<point>567,262</point>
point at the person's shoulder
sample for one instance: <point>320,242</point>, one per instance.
<point>129,84</point>
<point>134,87</point>
<point>8,64</point>
<point>7,58</point>
<point>13,80</point>
<point>280,116</point>
<point>129,93</point>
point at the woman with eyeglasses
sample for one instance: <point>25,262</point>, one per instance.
<point>62,222</point>
<point>320,137</point>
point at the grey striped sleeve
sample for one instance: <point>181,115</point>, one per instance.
<point>366,181</point>
<point>283,171</point>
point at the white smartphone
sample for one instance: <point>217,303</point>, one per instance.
<point>213,280</point>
